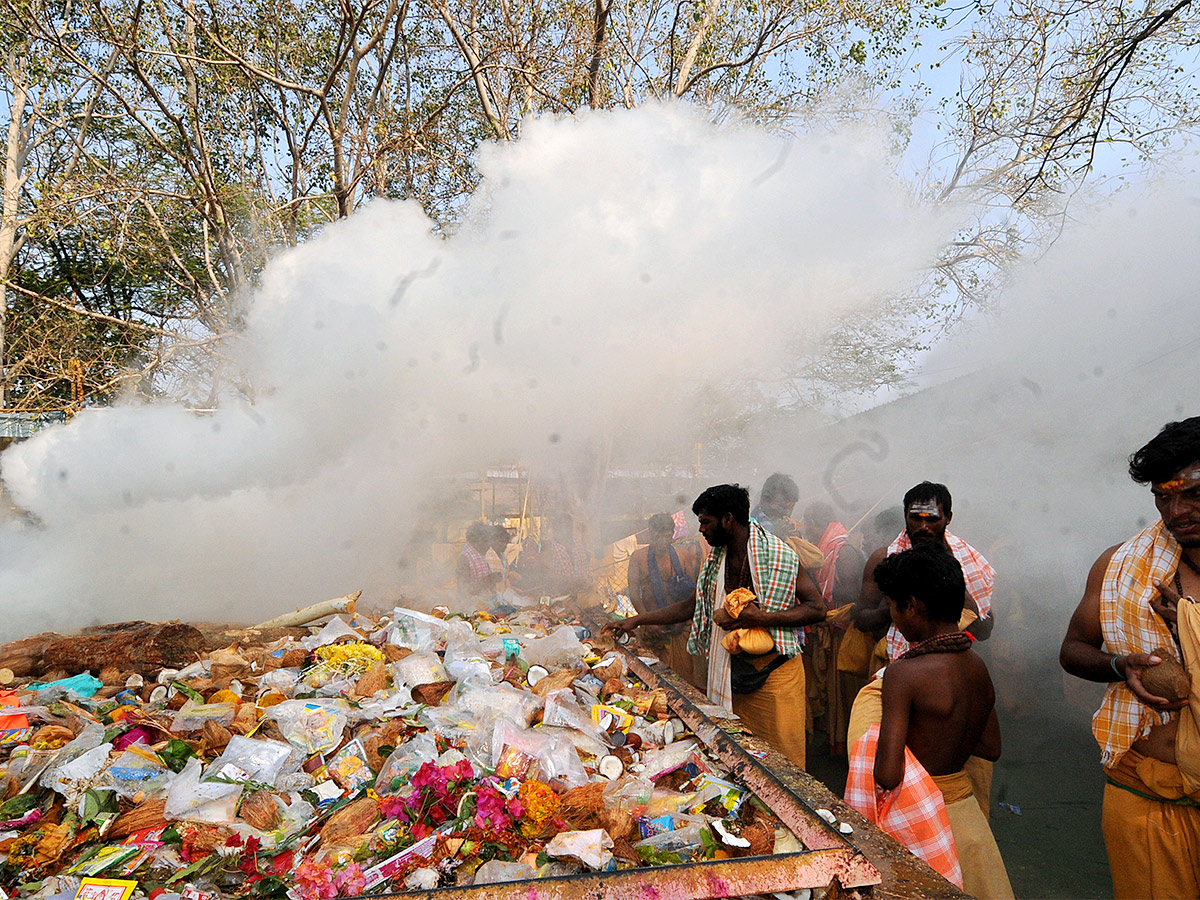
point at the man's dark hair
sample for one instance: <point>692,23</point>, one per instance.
<point>498,532</point>
<point>725,498</point>
<point>931,574</point>
<point>1176,447</point>
<point>928,490</point>
<point>779,485</point>
<point>479,534</point>
<point>661,522</point>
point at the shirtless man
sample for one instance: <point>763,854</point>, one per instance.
<point>659,575</point>
<point>938,701</point>
<point>1137,600</point>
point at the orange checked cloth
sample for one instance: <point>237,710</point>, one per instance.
<point>977,571</point>
<point>914,813</point>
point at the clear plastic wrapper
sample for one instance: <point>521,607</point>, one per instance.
<point>404,761</point>
<point>193,715</point>
<point>312,725</point>
<point>561,711</point>
<point>191,799</point>
<point>415,630</point>
<point>419,668</point>
<point>559,649</point>
<point>138,772</point>
<point>253,759</point>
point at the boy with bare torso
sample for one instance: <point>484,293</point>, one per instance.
<point>938,701</point>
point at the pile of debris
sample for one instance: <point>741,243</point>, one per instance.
<point>402,752</point>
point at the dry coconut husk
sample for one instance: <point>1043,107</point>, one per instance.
<point>147,814</point>
<point>245,720</point>
<point>432,694</point>
<point>618,824</point>
<point>373,680</point>
<point>228,664</point>
<point>624,849</point>
<point>761,837</point>
<point>612,686</point>
<point>215,735</point>
<point>1168,679</point>
<point>260,810</point>
<point>392,653</point>
<point>555,681</point>
<point>387,736</point>
<point>350,821</point>
<point>581,806</point>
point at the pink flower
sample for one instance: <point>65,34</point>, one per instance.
<point>351,881</point>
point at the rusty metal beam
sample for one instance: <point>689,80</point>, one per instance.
<point>794,795</point>
<point>798,816</point>
<point>690,881</point>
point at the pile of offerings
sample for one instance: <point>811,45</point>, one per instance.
<point>404,752</point>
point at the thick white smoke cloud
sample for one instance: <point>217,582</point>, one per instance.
<point>1090,352</point>
<point>609,267</point>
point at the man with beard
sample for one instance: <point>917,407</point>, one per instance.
<point>766,690</point>
<point>1137,613</point>
<point>927,515</point>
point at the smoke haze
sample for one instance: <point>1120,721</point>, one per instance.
<point>611,272</point>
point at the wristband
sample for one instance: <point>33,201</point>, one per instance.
<point>1113,662</point>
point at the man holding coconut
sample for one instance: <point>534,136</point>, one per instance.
<point>765,689</point>
<point>1138,628</point>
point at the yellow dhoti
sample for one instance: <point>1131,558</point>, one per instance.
<point>775,712</point>
<point>984,875</point>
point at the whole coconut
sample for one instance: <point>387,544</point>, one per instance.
<point>1168,679</point>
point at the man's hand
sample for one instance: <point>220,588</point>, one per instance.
<point>1133,665</point>
<point>725,620</point>
<point>1166,604</point>
<point>622,627</point>
<point>751,617</point>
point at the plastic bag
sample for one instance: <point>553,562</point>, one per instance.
<point>193,715</point>
<point>138,771</point>
<point>499,701</point>
<point>630,795</point>
<point>420,668</point>
<point>557,650</point>
<point>335,629</point>
<point>404,761</point>
<point>668,759</point>
<point>76,776</point>
<point>592,848</point>
<point>563,712</point>
<point>192,799</point>
<point>312,725</point>
<point>249,759</point>
<point>415,630</point>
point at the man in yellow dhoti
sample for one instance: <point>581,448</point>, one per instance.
<point>1137,612</point>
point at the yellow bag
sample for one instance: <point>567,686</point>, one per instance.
<point>745,640</point>
<point>854,656</point>
<point>810,554</point>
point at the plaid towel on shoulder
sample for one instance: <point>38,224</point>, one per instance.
<point>914,813</point>
<point>1129,625</point>
<point>775,567</point>
<point>978,572</point>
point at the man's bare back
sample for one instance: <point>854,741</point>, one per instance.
<point>942,707</point>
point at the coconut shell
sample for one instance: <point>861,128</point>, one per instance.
<point>432,694</point>
<point>373,680</point>
<point>349,821</point>
<point>1168,679</point>
<point>260,810</point>
<point>555,681</point>
<point>147,814</point>
<point>215,735</point>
